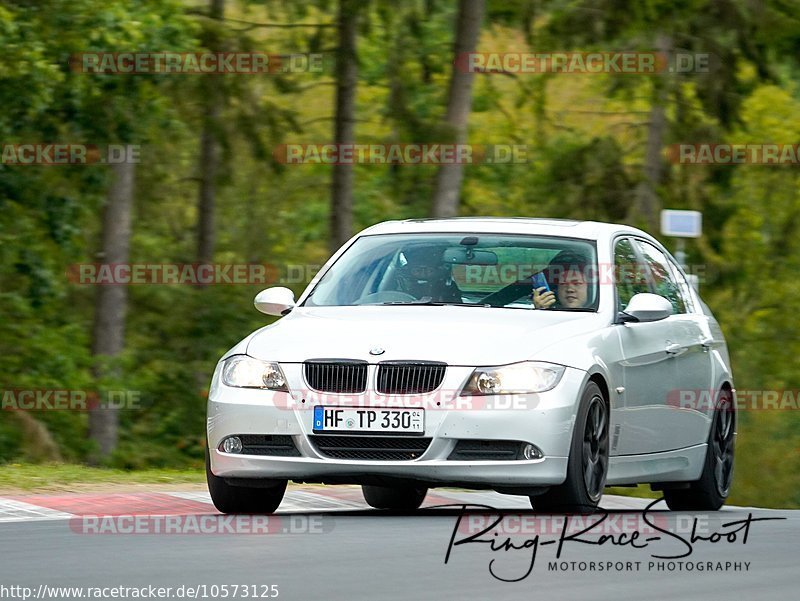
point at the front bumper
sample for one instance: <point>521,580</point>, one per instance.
<point>545,420</point>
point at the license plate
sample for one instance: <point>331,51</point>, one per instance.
<point>355,421</point>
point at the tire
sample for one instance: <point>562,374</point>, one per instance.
<point>711,490</point>
<point>404,498</point>
<point>587,466</point>
<point>242,499</point>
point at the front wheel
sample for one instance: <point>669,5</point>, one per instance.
<point>588,460</point>
<point>242,499</point>
<point>711,490</point>
<point>400,498</point>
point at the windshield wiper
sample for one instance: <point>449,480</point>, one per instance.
<point>428,302</point>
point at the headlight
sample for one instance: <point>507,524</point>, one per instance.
<point>242,371</point>
<point>517,378</point>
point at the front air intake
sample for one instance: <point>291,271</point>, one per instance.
<point>341,376</point>
<point>370,448</point>
<point>271,445</point>
<point>410,377</point>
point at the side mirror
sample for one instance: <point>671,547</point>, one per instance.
<point>275,301</point>
<point>646,307</point>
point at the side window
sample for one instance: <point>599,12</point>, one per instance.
<point>629,273</point>
<point>683,286</point>
<point>663,280</point>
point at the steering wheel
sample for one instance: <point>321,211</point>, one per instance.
<point>386,296</point>
<point>508,294</point>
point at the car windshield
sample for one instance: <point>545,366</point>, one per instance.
<point>494,270</point>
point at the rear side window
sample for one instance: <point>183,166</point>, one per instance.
<point>661,276</point>
<point>630,274</point>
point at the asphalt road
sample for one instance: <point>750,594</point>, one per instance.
<point>339,549</point>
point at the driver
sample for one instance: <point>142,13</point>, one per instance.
<point>424,274</point>
<point>566,275</point>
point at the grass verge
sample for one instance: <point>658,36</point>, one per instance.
<point>23,477</point>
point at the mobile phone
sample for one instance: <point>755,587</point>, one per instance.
<point>539,281</point>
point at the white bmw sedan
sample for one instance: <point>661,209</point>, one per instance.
<point>533,357</point>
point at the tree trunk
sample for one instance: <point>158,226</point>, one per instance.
<point>341,225</point>
<point>209,151</point>
<point>108,332</point>
<point>449,177</point>
<point>646,206</point>
<point>209,167</point>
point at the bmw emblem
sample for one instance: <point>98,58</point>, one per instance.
<point>376,350</point>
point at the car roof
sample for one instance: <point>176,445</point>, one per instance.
<point>590,230</point>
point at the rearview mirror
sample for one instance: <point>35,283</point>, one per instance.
<point>275,301</point>
<point>646,307</point>
<point>461,255</point>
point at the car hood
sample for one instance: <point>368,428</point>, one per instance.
<point>455,335</point>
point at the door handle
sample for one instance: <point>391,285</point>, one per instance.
<point>673,348</point>
<point>706,343</point>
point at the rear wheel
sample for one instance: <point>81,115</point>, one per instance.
<point>588,460</point>
<point>243,499</point>
<point>403,498</point>
<point>710,491</point>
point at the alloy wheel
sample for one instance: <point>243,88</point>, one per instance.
<point>722,443</point>
<point>595,448</point>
